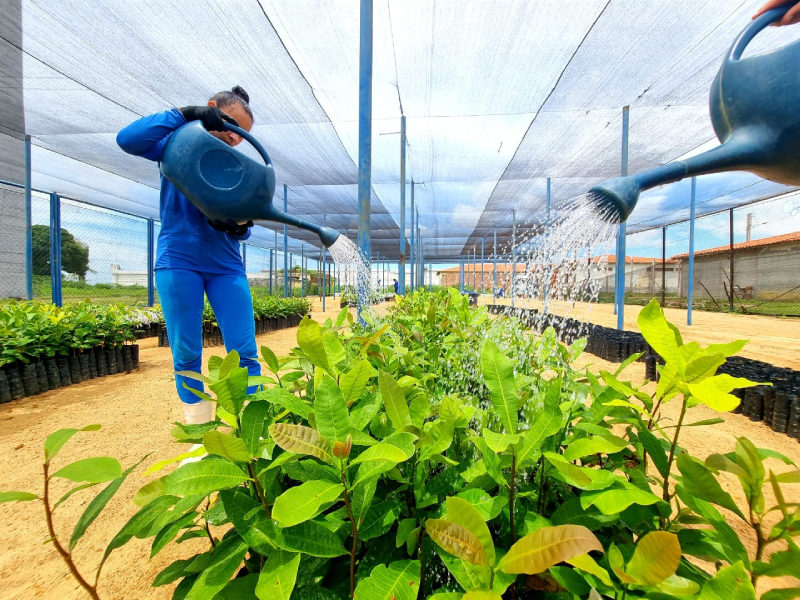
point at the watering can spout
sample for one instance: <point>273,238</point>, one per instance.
<point>755,111</point>
<point>224,183</point>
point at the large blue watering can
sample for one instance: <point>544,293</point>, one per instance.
<point>755,111</point>
<point>226,184</point>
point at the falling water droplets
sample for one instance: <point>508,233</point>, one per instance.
<point>354,269</point>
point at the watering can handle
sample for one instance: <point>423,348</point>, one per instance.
<point>752,30</point>
<point>253,141</point>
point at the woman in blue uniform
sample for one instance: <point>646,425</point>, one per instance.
<point>195,255</point>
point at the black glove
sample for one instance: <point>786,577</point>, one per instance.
<point>231,227</point>
<point>211,117</point>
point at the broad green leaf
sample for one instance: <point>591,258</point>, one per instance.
<point>270,359</point>
<point>309,338</point>
<point>498,374</point>
<point>381,452</point>
<point>69,494</point>
<point>173,572</point>
<point>499,442</point>
<point>304,502</point>
<point>17,497</point>
<point>583,478</point>
<point>782,594</point>
<point>540,550</point>
<point>362,495</point>
<point>363,412</point>
<point>491,461</point>
<point>467,575</point>
<point>658,333</point>
<point>301,440</point>
<point>91,470</point>
<point>727,349</point>
<point>232,390</point>
<point>192,433</point>
<point>790,477</point>
<point>253,419</point>
<point>229,362</point>
<point>785,563</point>
<point>227,446</point>
<point>379,519</point>
<point>703,367</point>
<point>398,581</point>
<point>403,440</point>
<point>394,399</point>
<point>334,350</point>
<point>674,585</point>
<point>57,439</point>
<point>657,557</point>
<point>616,499</point>
<point>700,482</point>
<point>487,506</point>
<point>654,448</point>
<point>481,595</point>
<point>441,432</point>
<point>354,382</point>
<point>369,472</point>
<point>729,540</point>
<point>595,444</point>
<point>155,467</point>
<point>584,562</point>
<point>225,561</point>
<point>285,399</point>
<point>330,410</point>
<point>138,522</point>
<point>97,505</point>
<point>168,533</point>
<point>462,513</point>
<point>203,477</point>
<point>547,424</point>
<point>457,540</point>
<point>730,583</point>
<point>277,579</point>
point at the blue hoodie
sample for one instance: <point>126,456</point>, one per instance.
<point>186,240</point>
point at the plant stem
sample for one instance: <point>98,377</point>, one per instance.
<point>90,589</point>
<point>760,545</point>
<point>541,485</point>
<point>511,498</point>
<point>421,592</point>
<point>258,489</point>
<point>355,540</point>
<point>665,495</point>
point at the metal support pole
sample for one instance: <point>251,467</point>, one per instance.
<point>275,234</point>
<point>482,259</point>
<point>412,249</point>
<point>730,295</point>
<point>151,251</point>
<point>622,227</point>
<point>546,290</point>
<point>364,137</point>
<point>302,269</point>
<point>461,276</point>
<point>663,265</point>
<point>494,267</point>
<point>324,280</point>
<point>419,253</point>
<point>401,274</point>
<point>55,248</point>
<point>271,271</point>
<point>513,258</point>
<point>690,294</point>
<point>285,244</point>
<point>28,223</point>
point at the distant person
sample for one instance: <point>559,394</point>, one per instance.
<point>195,255</point>
<point>396,287</point>
<point>790,18</point>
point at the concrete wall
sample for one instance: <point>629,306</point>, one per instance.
<point>12,243</point>
<point>770,271</point>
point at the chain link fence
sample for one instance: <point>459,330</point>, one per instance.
<point>746,260</point>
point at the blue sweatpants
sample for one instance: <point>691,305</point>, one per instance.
<point>181,294</point>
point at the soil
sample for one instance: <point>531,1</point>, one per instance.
<point>137,411</point>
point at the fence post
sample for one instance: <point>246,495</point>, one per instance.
<point>286,291</point>
<point>690,283</point>
<point>151,246</point>
<point>55,248</point>
<point>731,277</point>
<point>28,223</point>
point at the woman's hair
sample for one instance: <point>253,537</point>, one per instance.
<point>236,96</point>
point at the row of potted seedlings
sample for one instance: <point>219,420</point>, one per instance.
<point>212,335</point>
<point>778,405</point>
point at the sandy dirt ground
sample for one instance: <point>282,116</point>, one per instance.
<point>137,411</point>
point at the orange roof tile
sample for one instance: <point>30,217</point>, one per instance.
<point>770,241</point>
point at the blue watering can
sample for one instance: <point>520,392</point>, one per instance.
<point>755,111</point>
<point>226,184</point>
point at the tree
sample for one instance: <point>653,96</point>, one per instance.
<point>74,253</point>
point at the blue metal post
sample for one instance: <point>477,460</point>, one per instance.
<point>513,258</point>
<point>275,272</point>
<point>690,295</point>
<point>271,271</point>
<point>28,223</point>
<point>364,137</point>
<point>55,248</point>
<point>324,281</point>
<point>401,271</point>
<point>420,272</point>
<point>621,248</point>
<point>461,276</point>
<point>285,244</point>
<point>151,247</point>
<point>412,249</point>
<point>482,259</point>
<point>302,269</point>
<point>546,256</point>
<point>494,267</point>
